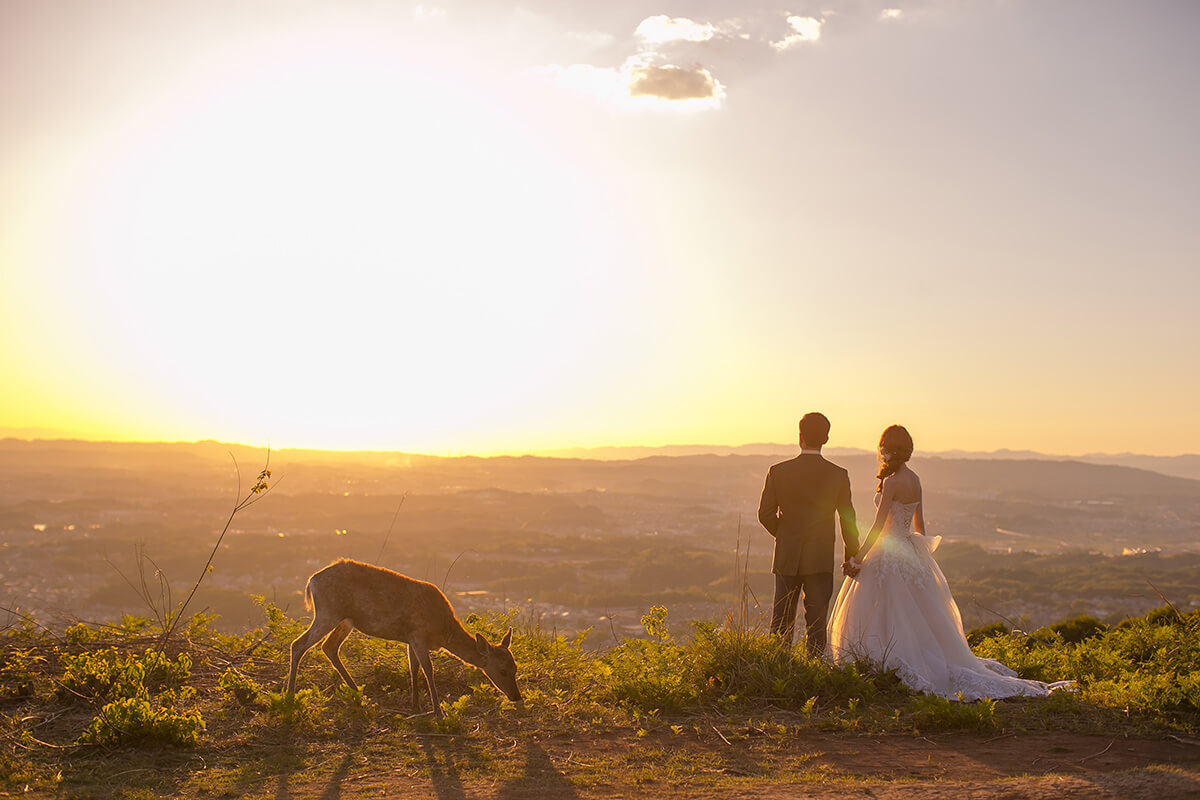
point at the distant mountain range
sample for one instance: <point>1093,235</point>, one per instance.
<point>80,452</point>
<point>1182,466</point>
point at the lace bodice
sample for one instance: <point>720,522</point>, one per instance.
<point>899,550</point>
<point>899,519</point>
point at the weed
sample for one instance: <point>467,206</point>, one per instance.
<point>300,710</point>
<point>109,673</point>
<point>136,720</point>
<point>240,689</point>
<point>937,713</point>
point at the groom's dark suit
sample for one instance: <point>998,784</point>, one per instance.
<point>797,507</point>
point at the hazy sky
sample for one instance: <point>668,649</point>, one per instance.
<point>483,226</point>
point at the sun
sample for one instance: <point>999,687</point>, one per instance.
<point>334,246</point>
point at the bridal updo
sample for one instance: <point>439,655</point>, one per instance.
<point>895,448</point>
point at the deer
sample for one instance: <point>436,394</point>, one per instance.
<point>349,595</point>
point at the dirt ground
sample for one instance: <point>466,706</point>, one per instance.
<point>940,767</point>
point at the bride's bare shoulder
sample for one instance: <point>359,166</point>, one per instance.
<point>904,486</point>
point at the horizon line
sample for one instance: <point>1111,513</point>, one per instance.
<point>560,452</point>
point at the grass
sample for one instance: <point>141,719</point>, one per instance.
<point>208,714</point>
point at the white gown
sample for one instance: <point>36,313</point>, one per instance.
<point>899,614</point>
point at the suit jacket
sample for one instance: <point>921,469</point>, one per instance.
<point>797,507</point>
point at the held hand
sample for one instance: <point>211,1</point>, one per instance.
<point>850,568</point>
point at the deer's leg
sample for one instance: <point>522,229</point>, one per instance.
<point>413,671</point>
<point>427,668</point>
<point>318,630</point>
<point>330,648</point>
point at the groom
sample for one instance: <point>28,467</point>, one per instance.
<point>797,507</point>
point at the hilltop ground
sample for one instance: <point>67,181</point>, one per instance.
<point>810,766</point>
<point>528,765</point>
<point>100,713</point>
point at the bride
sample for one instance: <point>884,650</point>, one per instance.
<point>895,609</point>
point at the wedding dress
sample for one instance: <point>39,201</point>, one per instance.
<point>899,614</point>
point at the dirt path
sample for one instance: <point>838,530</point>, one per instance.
<point>1037,767</point>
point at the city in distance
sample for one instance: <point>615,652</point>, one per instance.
<point>578,542</point>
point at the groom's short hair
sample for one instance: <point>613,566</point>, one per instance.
<point>814,428</point>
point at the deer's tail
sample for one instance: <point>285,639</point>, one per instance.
<point>308,604</point>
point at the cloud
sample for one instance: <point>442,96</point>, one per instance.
<point>662,29</point>
<point>804,29</point>
<point>638,84</point>
<point>672,83</point>
<point>424,13</point>
<point>652,74</point>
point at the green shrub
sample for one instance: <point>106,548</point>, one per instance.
<point>655,624</point>
<point>132,624</point>
<point>281,629</point>
<point>80,633</point>
<point>351,708</point>
<point>1166,616</point>
<point>20,672</point>
<point>930,712</point>
<point>136,720</point>
<point>757,666</point>
<point>1149,664</point>
<point>239,689</point>
<point>729,667</point>
<point>110,673</point>
<point>976,636</point>
<point>652,676</point>
<point>299,710</point>
<point>1027,657</point>
<point>1074,631</point>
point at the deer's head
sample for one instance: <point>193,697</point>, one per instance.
<point>498,665</point>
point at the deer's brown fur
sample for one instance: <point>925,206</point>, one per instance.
<point>380,602</point>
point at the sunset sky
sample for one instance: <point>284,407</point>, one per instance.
<point>480,226</point>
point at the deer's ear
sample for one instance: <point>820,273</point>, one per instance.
<point>481,643</point>
<point>507,640</point>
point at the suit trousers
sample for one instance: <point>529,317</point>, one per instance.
<point>817,589</point>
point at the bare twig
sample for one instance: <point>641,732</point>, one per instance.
<point>611,627</point>
<point>446,577</point>
<point>161,609</point>
<point>1102,752</point>
<point>29,619</point>
<point>1012,624</point>
<point>1170,605</point>
<point>16,741</point>
<point>382,545</point>
<point>256,493</point>
<point>723,739</point>
<point>998,738</point>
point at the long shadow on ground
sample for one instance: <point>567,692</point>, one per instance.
<point>540,779</point>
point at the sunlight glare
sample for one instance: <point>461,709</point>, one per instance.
<point>357,246</point>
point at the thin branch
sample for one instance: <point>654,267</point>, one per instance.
<point>446,577</point>
<point>260,488</point>
<point>1102,752</point>
<point>403,497</point>
<point>611,627</point>
<point>161,610</point>
<point>1170,605</point>
<point>31,620</point>
<point>1012,624</point>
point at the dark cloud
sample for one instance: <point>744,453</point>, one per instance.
<point>670,82</point>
